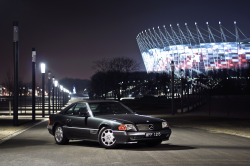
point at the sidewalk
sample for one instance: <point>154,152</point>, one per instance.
<point>7,130</point>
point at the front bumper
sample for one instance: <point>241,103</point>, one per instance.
<point>130,137</point>
<point>50,129</point>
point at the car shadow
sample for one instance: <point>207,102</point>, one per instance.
<point>134,147</point>
<point>161,147</point>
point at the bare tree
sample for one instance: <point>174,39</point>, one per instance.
<point>101,65</point>
<point>110,73</point>
<point>120,64</point>
<point>9,82</point>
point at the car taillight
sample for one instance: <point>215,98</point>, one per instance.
<point>49,121</point>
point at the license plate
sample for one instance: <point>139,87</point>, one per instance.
<point>155,134</point>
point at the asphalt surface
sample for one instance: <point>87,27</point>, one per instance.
<point>187,146</point>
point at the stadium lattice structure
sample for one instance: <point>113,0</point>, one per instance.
<point>197,49</point>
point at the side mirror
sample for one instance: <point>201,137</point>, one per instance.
<point>84,112</point>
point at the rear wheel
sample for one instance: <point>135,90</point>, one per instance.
<point>107,138</point>
<point>59,136</point>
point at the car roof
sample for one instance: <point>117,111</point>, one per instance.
<point>97,101</point>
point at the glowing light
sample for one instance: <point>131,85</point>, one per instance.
<point>56,83</point>
<point>42,68</point>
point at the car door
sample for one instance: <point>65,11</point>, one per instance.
<point>77,123</point>
<point>67,118</point>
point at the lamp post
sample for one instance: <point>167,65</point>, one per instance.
<point>187,77</point>
<point>56,84</point>
<point>64,92</point>
<point>172,86</point>
<point>16,59</point>
<point>61,91</point>
<point>182,74</point>
<point>33,84</point>
<point>49,86</point>
<point>43,87</point>
<point>53,94</point>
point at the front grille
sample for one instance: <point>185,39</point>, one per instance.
<point>145,127</point>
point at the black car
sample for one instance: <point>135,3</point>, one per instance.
<point>107,122</point>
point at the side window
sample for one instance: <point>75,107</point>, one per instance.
<point>79,106</point>
<point>70,110</point>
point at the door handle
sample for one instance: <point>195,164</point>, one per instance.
<point>68,120</point>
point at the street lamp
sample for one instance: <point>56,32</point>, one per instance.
<point>33,84</point>
<point>181,74</point>
<point>56,84</point>
<point>60,101</point>
<point>16,61</point>
<point>53,94</point>
<point>172,86</point>
<point>49,86</point>
<point>43,86</point>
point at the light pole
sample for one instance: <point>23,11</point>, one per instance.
<point>61,91</point>
<point>49,86</point>
<point>182,74</point>
<point>16,60</point>
<point>172,86</point>
<point>33,84</point>
<point>53,94</point>
<point>56,84</point>
<point>64,93</point>
<point>43,87</point>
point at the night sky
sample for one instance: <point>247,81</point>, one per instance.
<point>69,35</point>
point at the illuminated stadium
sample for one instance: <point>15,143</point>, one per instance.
<point>197,49</point>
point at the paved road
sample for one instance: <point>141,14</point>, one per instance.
<point>187,146</point>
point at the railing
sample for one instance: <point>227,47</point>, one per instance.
<point>25,105</point>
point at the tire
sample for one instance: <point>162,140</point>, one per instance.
<point>59,136</point>
<point>106,138</point>
<point>153,143</point>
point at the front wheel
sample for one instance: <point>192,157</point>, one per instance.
<point>59,136</point>
<point>107,138</point>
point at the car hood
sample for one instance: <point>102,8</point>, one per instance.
<point>131,118</point>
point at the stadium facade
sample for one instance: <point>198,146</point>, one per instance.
<point>195,48</point>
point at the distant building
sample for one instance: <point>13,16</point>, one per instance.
<point>197,49</point>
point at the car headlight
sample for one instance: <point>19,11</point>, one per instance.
<point>127,127</point>
<point>165,125</point>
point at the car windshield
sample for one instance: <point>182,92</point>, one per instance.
<point>105,108</point>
